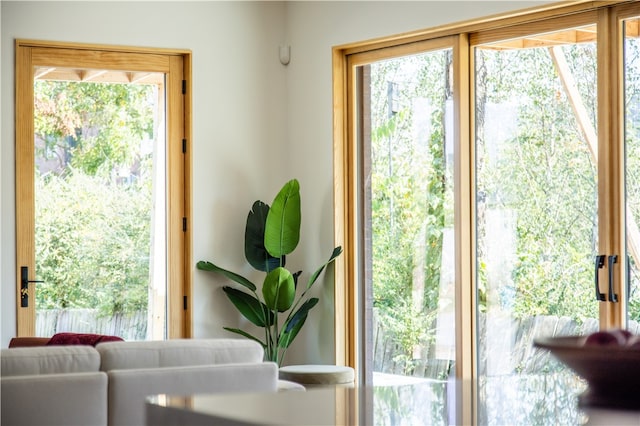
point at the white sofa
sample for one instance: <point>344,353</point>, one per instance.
<point>107,385</point>
<point>53,385</point>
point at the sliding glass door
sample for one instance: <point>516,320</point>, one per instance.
<point>407,159</point>
<point>519,169</point>
<point>550,239</point>
<point>536,203</point>
<point>631,55</point>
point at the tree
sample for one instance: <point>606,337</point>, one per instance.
<point>545,175</point>
<point>92,127</point>
<point>411,203</point>
<point>94,195</point>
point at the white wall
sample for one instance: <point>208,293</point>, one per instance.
<point>239,125</point>
<point>313,29</point>
<point>256,123</point>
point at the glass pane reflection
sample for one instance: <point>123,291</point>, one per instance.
<point>632,169</point>
<point>544,399</point>
<point>396,405</point>
<point>550,399</point>
<point>530,400</point>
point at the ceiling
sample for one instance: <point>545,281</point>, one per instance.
<point>97,76</point>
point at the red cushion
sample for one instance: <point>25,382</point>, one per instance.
<point>81,339</point>
<point>17,342</point>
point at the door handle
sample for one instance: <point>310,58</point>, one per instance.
<point>24,286</point>
<point>599,264</point>
<point>612,296</point>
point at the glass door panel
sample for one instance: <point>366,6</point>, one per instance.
<point>407,144</point>
<point>536,200</point>
<point>631,57</point>
<point>100,225</point>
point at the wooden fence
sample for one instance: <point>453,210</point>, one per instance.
<point>129,327</point>
<point>507,352</point>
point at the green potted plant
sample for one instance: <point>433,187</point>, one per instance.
<point>271,234</point>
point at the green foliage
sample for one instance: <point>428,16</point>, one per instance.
<point>282,228</point>
<point>546,179</point>
<point>94,127</point>
<point>540,182</point>
<point>93,233</point>
<point>92,253</point>
<point>411,197</point>
<point>270,234</point>
<point>278,289</point>
<point>632,147</point>
<point>255,251</point>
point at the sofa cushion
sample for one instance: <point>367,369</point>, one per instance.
<point>81,339</point>
<point>128,389</point>
<point>54,399</point>
<point>49,360</point>
<point>18,342</point>
<point>177,353</point>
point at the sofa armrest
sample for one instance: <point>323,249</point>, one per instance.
<point>21,342</point>
<point>54,399</point>
<point>128,389</point>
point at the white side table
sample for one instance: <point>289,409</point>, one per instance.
<point>318,375</point>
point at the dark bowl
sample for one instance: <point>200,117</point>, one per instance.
<point>612,371</point>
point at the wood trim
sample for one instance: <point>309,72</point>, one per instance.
<point>187,330</point>
<point>25,207</point>
<point>340,235</point>
<point>604,171</point>
<point>536,27</point>
<point>612,197</point>
<point>464,228</point>
<point>345,328</point>
<point>625,11</point>
<point>405,49</point>
<point>101,47</point>
<point>175,201</point>
<point>486,23</point>
<point>177,65</point>
<point>464,202</point>
<point>122,61</point>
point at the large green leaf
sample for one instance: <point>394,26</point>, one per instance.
<point>208,266</point>
<point>282,228</point>
<point>254,250</point>
<point>291,328</point>
<point>279,289</point>
<point>245,334</point>
<point>336,252</point>
<point>250,307</point>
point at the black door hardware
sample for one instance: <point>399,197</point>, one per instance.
<point>612,296</point>
<point>24,286</point>
<point>599,264</point>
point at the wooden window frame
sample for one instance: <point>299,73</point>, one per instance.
<point>176,64</point>
<point>348,305</point>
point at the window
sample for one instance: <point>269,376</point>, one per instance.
<point>533,182</point>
